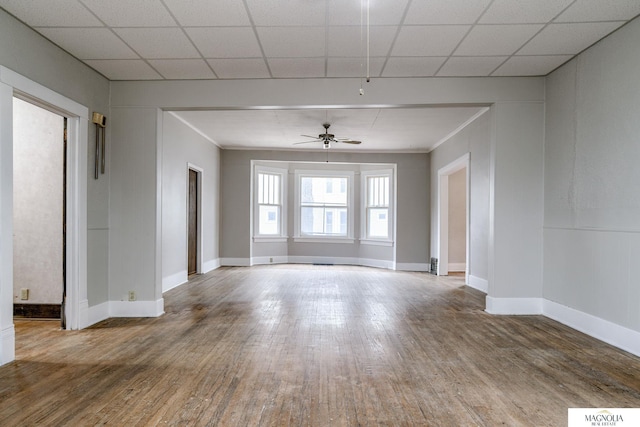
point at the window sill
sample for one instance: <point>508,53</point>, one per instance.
<point>308,239</point>
<point>274,239</point>
<point>376,242</point>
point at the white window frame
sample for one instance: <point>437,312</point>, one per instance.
<point>298,236</point>
<point>283,235</point>
<point>364,217</point>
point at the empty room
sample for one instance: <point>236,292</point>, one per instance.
<point>283,212</point>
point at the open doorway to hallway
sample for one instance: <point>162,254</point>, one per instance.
<point>453,218</point>
<point>39,181</point>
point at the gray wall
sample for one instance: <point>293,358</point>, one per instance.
<point>28,53</point>
<point>412,235</point>
<point>134,210</point>
<point>38,154</point>
<point>592,194</point>
<point>474,139</point>
<point>181,146</point>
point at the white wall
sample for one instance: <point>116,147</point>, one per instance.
<point>474,139</point>
<point>182,146</point>
<point>38,155</point>
<point>458,220</point>
<point>592,190</point>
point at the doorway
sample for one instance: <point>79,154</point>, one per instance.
<point>194,220</point>
<point>453,226</point>
<point>76,310</point>
<point>39,196</point>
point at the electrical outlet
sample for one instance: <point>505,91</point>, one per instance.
<point>270,259</point>
<point>24,294</point>
<point>132,295</point>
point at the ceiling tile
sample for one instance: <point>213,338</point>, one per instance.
<point>598,10</point>
<point>287,12</point>
<point>180,69</point>
<point>206,13</point>
<point>558,39</point>
<point>66,13</point>
<point>158,42</point>
<point>438,12</point>
<point>343,12</point>
<point>436,40</point>
<point>353,67</point>
<point>412,67</point>
<point>124,69</point>
<point>288,42</point>
<point>345,41</point>
<point>127,13</point>
<point>89,43</point>
<point>471,65</point>
<point>240,68</point>
<point>214,42</point>
<point>531,65</point>
<point>496,39</point>
<point>297,67</point>
<point>523,11</point>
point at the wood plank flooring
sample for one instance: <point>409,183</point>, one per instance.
<point>292,345</point>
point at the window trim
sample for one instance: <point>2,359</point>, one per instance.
<point>283,235</point>
<point>301,238</point>
<point>365,238</point>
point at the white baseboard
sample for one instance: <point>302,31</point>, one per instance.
<point>364,262</point>
<point>611,333</point>
<point>235,262</point>
<point>377,263</point>
<point>264,260</point>
<point>136,308</point>
<point>323,260</point>
<point>478,283</point>
<point>413,266</point>
<point>174,280</point>
<point>598,328</point>
<point>210,265</point>
<point>520,306</point>
<point>97,313</point>
<point>7,344</point>
<point>457,266</point>
<point>83,315</point>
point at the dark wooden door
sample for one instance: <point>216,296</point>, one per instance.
<point>192,267</point>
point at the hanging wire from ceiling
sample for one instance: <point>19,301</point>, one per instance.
<point>367,76</point>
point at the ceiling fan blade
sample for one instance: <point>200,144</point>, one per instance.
<point>304,142</point>
<point>309,136</point>
<point>350,141</point>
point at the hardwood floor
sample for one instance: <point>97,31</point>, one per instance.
<point>314,345</point>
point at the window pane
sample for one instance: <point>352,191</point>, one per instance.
<point>378,191</point>
<point>317,190</point>
<point>378,222</point>
<point>323,221</point>
<point>269,222</point>
<point>269,188</point>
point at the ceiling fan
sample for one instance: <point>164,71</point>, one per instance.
<point>327,138</point>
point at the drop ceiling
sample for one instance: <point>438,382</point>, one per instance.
<point>293,39</point>
<point>232,39</point>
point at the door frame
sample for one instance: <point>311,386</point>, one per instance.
<point>199,171</point>
<point>13,84</point>
<point>460,163</point>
